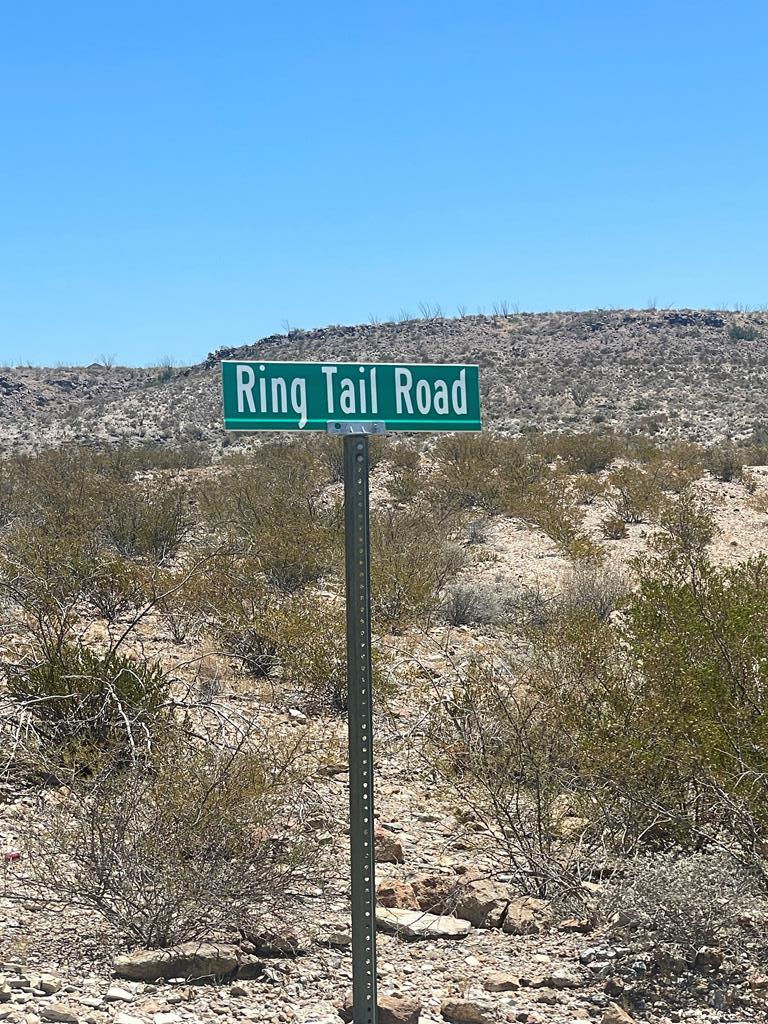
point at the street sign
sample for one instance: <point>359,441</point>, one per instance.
<point>325,396</point>
<point>355,399</point>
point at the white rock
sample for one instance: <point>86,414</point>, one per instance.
<point>418,924</point>
<point>115,994</point>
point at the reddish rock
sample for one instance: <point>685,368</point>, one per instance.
<point>397,894</point>
<point>436,893</point>
<point>394,1009</point>
<point>388,848</point>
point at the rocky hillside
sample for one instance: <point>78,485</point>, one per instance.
<point>701,374</point>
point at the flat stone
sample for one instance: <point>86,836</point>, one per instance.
<point>190,960</point>
<point>115,994</point>
<point>60,1013</point>
<point>169,1017</point>
<point>50,984</point>
<point>501,982</point>
<point>127,1018</point>
<point>418,924</point>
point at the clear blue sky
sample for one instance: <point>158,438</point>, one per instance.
<point>179,176</point>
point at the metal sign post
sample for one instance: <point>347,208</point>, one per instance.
<point>354,400</point>
<point>360,699</point>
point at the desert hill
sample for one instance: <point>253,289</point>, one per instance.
<point>701,374</point>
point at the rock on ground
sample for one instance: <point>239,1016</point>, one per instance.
<point>189,960</point>
<point>394,1009</point>
<point>418,924</point>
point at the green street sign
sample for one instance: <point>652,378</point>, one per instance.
<point>327,396</point>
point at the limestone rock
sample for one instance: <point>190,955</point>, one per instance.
<point>394,1009</point>
<point>483,903</point>
<point>526,916</point>
<point>501,981</point>
<point>58,1012</point>
<point>115,994</point>
<point>49,984</point>
<point>388,848</point>
<point>468,1011</point>
<point>418,924</point>
<point>397,894</point>
<point>188,960</point>
<point>614,1014</point>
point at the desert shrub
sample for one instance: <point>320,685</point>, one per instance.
<point>743,332</point>
<point>690,901</point>
<point>413,556</point>
<point>651,725</point>
<point>634,494</point>
<point>583,453</point>
<point>72,695</point>
<point>406,477</point>
<point>592,590</point>
<point>491,744</point>
<point>113,587</point>
<point>523,472</point>
<point>209,837</point>
<point>311,638</point>
<point>725,463</point>
<point>551,505</point>
<point>252,645</point>
<point>269,507</point>
<point>687,527</point>
<point>182,598</point>
<point>146,522</point>
<point>587,487</point>
<point>467,471</point>
<point>614,527</point>
<point>471,603</point>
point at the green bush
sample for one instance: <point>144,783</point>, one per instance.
<point>583,453</point>
<point>725,463</point>
<point>413,557</point>
<point>76,696</point>
<point>146,523</point>
<point>743,332</point>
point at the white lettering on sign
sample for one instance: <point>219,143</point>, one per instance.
<point>277,398</point>
<point>355,394</point>
<point>430,397</point>
<point>246,378</point>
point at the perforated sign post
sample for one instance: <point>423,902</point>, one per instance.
<point>354,400</point>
